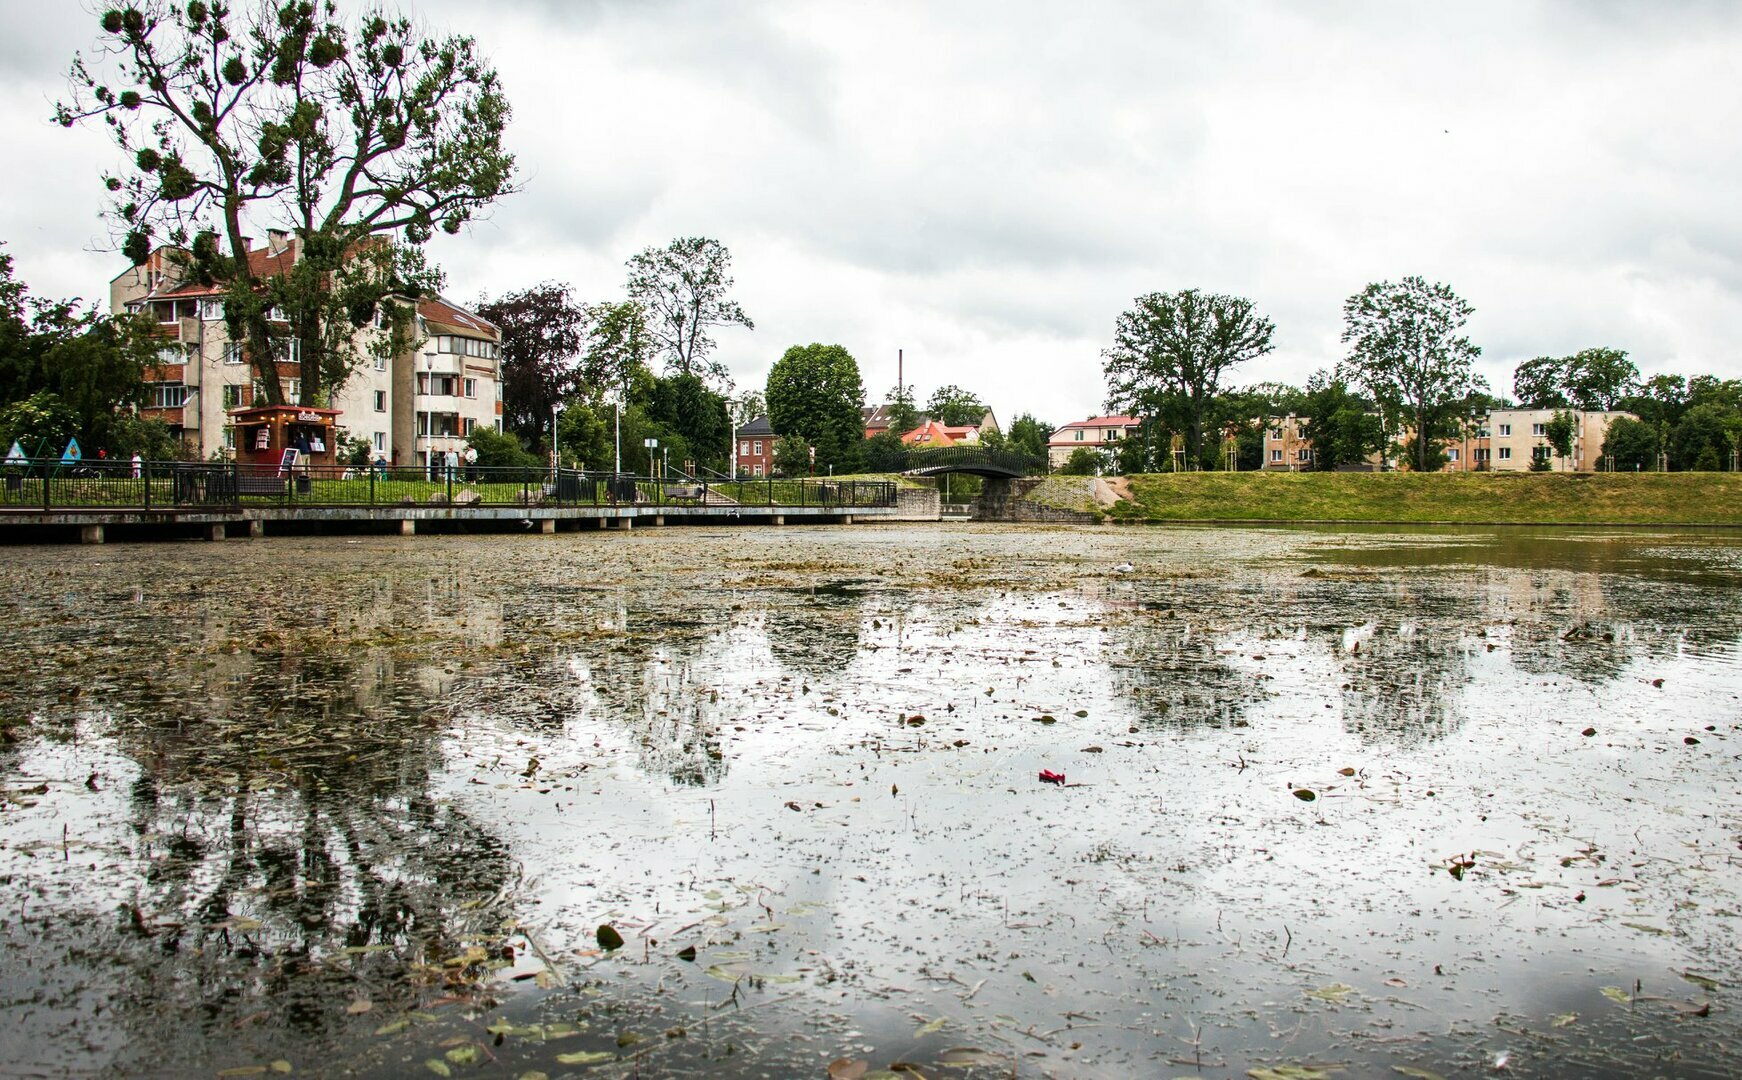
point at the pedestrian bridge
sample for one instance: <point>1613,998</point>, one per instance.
<point>977,460</point>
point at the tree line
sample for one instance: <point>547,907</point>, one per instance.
<point>1408,384</point>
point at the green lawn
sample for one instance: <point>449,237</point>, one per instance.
<point>1475,498</point>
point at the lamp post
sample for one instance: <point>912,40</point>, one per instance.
<point>555,462</point>
<point>650,444</point>
<point>428,416</point>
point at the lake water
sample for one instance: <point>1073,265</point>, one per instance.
<point>1337,803</point>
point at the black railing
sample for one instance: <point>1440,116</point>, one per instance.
<point>178,485</point>
<point>973,459</point>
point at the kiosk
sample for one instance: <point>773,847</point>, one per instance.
<point>265,432</point>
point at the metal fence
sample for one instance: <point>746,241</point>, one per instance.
<point>175,485</point>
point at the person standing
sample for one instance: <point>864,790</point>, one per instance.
<point>471,457</point>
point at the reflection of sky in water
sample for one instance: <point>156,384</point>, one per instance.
<point>837,786</point>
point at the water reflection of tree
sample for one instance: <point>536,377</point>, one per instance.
<point>285,816</point>
<point>816,635</point>
<point>1404,682</point>
<point>1174,675</point>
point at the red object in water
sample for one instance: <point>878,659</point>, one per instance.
<point>1047,776</point>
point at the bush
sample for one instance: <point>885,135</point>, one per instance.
<point>497,450</point>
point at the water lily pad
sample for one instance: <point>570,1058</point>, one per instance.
<point>1336,993</point>
<point>608,937</point>
<point>586,1057</point>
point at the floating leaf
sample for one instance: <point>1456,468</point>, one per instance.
<point>848,1069</point>
<point>1345,771</point>
<point>1049,719</point>
<point>1647,929</point>
<point>1336,993</point>
<point>438,1066</point>
<point>1418,1074</point>
<point>359,1007</point>
<point>1305,794</point>
<point>687,954</point>
<point>1565,1020</point>
<point>243,1070</point>
<point>586,1057</point>
<point>281,1066</point>
<point>608,937</point>
<point>1700,980</point>
<point>1295,1072</point>
<point>929,1027</point>
<point>1616,994</point>
<point>393,1028</point>
<point>961,1057</point>
<point>464,1055</point>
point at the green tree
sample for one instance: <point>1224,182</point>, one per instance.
<point>359,138</point>
<point>1600,379</point>
<point>901,412</point>
<point>1173,349</point>
<point>1704,437</point>
<point>542,333</point>
<point>884,452</point>
<point>792,456</point>
<point>1342,426</point>
<point>1084,461</point>
<point>1407,353</point>
<point>747,407</point>
<point>73,371</point>
<point>1559,432</point>
<point>502,449</point>
<point>954,407</point>
<point>585,434</point>
<point>619,352</point>
<point>683,287</point>
<point>1631,445</point>
<point>1029,435</point>
<point>685,407</point>
<point>1541,383</point>
<point>814,392</point>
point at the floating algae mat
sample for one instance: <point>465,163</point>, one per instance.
<point>770,802</point>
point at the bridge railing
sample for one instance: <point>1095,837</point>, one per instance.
<point>51,484</point>
<point>969,459</point>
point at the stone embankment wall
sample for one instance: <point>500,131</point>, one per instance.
<point>917,504</point>
<point>1069,500</point>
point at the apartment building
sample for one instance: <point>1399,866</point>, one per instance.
<point>1286,448</point>
<point>426,398</point>
<point>1517,437</point>
<point>1095,433</point>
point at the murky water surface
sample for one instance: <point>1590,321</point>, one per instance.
<point>1346,803</point>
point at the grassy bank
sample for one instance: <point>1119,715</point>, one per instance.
<point>1474,498</point>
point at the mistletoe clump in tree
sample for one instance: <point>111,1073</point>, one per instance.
<point>358,138</point>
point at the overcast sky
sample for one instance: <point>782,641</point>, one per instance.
<point>988,186</point>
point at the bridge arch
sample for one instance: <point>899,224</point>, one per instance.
<point>977,460</point>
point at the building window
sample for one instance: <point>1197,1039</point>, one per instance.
<point>471,388</point>
<point>230,438</point>
<point>233,354</point>
<point>380,401</point>
<point>1505,429</point>
<point>380,362</point>
<point>1481,454</point>
<point>1506,453</point>
<point>1304,454</point>
<point>1539,453</point>
<point>165,312</point>
<point>758,445</point>
<point>233,397</point>
<point>757,469</point>
<point>168,395</point>
<point>380,440</point>
<point>1451,454</point>
<point>171,354</point>
<point>1276,455</point>
<point>1276,434</point>
<point>744,448</point>
<point>466,428</point>
<point>1079,434</point>
<point>211,310</point>
<point>1537,430</point>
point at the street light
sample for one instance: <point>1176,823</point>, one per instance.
<point>555,407</point>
